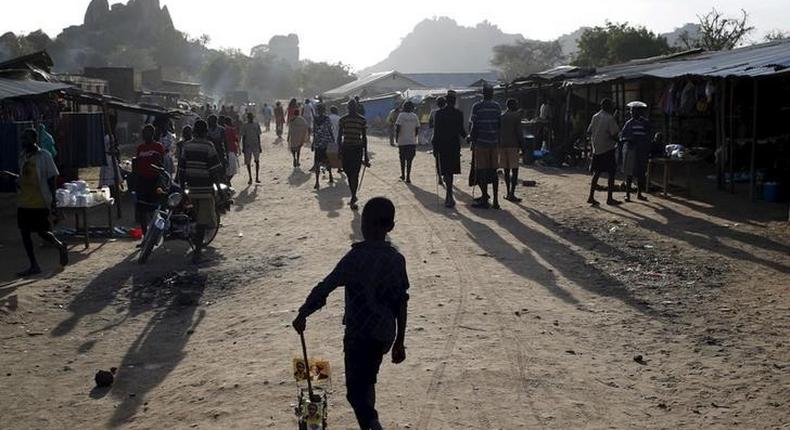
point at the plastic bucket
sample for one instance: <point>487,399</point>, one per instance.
<point>771,192</point>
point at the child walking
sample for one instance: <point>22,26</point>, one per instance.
<point>376,285</point>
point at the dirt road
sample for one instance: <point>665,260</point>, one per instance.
<point>548,314</point>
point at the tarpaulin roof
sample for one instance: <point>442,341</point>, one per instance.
<point>21,88</point>
<point>452,80</point>
<point>752,61</point>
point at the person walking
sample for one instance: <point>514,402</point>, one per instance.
<point>448,132</point>
<point>511,139</point>
<point>603,131</point>
<point>440,104</point>
<point>323,136</point>
<point>353,143</point>
<point>297,137</point>
<point>267,114</point>
<point>637,136</point>
<point>485,123</point>
<point>308,113</point>
<point>147,179</point>
<point>279,119</point>
<point>333,150</point>
<point>251,147</point>
<point>391,118</point>
<point>376,285</point>
<point>216,135</point>
<point>407,128</point>
<point>232,139</point>
<point>36,200</point>
<point>293,110</point>
<point>200,167</point>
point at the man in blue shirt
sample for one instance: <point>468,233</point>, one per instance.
<point>485,123</point>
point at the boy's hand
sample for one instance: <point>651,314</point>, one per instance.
<point>398,353</point>
<point>300,324</point>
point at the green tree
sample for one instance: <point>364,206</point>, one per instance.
<point>616,43</point>
<point>526,57</point>
<point>315,78</point>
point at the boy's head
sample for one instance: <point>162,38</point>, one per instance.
<point>378,218</point>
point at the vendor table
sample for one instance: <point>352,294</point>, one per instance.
<point>670,164</point>
<point>83,211</point>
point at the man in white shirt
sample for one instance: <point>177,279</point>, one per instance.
<point>603,132</point>
<point>407,128</point>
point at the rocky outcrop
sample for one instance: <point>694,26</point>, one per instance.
<point>97,13</point>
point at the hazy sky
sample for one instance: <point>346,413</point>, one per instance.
<point>363,32</point>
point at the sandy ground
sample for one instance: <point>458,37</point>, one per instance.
<point>529,317</point>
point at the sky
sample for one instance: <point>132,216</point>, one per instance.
<point>361,33</point>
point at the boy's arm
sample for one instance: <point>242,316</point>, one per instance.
<point>399,348</point>
<point>317,297</point>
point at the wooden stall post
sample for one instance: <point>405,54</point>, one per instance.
<point>113,152</point>
<point>752,181</point>
<point>731,146</point>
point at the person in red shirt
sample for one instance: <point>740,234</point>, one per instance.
<point>232,140</point>
<point>147,179</point>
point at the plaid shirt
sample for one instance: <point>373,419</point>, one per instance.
<point>374,274</point>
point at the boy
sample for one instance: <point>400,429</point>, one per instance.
<point>374,274</point>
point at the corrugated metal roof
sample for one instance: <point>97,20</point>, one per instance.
<point>451,80</point>
<point>13,88</point>
<point>353,87</point>
<point>752,61</point>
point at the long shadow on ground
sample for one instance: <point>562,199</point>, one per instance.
<point>704,235</point>
<point>160,346</point>
<point>525,262</point>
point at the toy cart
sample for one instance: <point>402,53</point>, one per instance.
<point>312,401</point>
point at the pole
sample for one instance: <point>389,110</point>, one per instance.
<point>114,158</point>
<point>306,366</point>
<point>752,181</point>
<point>731,148</point>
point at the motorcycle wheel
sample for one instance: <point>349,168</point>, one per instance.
<point>212,232</point>
<point>151,239</point>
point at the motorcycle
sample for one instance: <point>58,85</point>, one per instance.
<point>174,218</point>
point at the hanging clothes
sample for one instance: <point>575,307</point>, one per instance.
<point>10,148</point>
<point>80,140</point>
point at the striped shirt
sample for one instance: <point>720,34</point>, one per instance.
<point>486,120</point>
<point>200,167</point>
<point>353,128</point>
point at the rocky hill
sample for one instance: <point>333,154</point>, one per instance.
<point>441,45</point>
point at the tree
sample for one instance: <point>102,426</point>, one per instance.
<point>315,78</point>
<point>776,35</point>
<point>526,57</point>
<point>718,33</point>
<point>618,43</point>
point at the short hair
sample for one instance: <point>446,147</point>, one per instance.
<point>450,99</point>
<point>441,102</point>
<point>512,104</point>
<point>212,119</point>
<point>378,215</point>
<point>200,129</point>
<point>606,102</point>
<point>333,109</point>
<point>186,130</point>
<point>320,108</point>
<point>488,92</point>
<point>408,106</point>
<point>30,133</point>
<point>149,130</point>
<point>352,106</point>
<point>250,116</point>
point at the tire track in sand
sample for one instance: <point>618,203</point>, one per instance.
<point>511,342</point>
